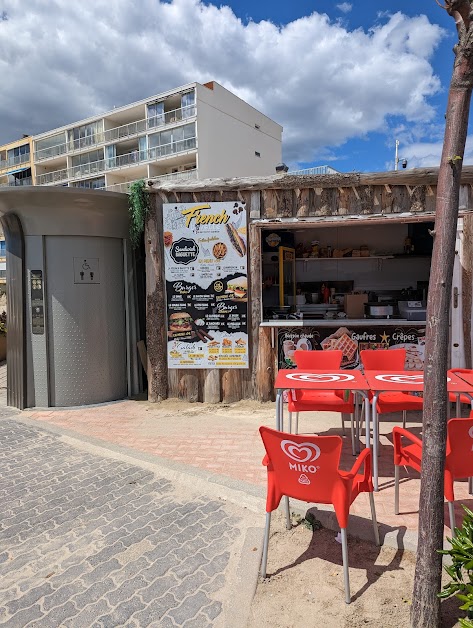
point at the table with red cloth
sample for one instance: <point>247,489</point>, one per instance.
<point>402,381</point>
<point>314,379</point>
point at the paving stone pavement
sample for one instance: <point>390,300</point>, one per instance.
<point>95,540</point>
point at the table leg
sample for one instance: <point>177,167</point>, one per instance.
<point>367,422</point>
<point>375,442</point>
<point>278,409</point>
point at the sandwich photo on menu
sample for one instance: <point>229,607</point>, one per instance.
<point>237,289</point>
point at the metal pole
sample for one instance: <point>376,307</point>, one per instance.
<point>396,158</point>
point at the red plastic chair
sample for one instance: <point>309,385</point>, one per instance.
<point>306,467</point>
<point>458,461</point>
<point>323,400</point>
<point>459,399</point>
<point>390,360</point>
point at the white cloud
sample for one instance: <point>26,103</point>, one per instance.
<point>64,60</point>
<point>345,7</point>
<point>428,154</point>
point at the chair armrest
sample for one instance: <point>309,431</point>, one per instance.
<point>398,434</point>
<point>363,459</point>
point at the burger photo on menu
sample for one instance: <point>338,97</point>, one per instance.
<point>180,324</point>
<point>237,289</point>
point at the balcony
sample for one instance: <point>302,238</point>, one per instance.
<point>50,178</point>
<point>26,181</point>
<point>125,131</point>
<point>113,163</point>
<point>14,161</point>
<point>186,175</point>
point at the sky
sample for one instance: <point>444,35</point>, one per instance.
<point>344,79</point>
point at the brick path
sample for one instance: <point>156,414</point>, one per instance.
<point>225,441</point>
<point>88,540</point>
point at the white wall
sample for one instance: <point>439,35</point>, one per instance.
<point>228,138</point>
<point>368,274</point>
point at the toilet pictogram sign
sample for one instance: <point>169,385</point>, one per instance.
<point>86,270</point>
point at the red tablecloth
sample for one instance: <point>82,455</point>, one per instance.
<point>311,379</point>
<point>410,381</point>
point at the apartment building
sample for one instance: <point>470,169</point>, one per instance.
<point>194,131</point>
<point>16,162</point>
<point>15,169</point>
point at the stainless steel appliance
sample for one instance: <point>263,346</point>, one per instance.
<point>413,310</point>
<point>379,310</point>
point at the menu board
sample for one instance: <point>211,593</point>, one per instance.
<point>205,248</point>
<point>352,340</point>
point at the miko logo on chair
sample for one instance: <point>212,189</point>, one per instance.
<point>470,434</point>
<point>301,453</point>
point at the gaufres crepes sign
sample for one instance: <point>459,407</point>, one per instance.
<point>205,247</point>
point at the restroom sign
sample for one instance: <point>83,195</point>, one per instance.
<point>86,270</point>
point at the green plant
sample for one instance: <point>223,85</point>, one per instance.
<point>461,569</point>
<point>138,208</point>
<point>3,323</point>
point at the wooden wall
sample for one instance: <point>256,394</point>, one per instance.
<point>342,197</point>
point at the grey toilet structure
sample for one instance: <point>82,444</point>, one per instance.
<point>71,297</point>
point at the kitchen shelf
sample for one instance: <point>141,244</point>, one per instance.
<point>338,259</point>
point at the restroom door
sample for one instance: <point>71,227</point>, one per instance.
<point>85,320</point>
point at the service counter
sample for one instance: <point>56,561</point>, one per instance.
<point>349,335</point>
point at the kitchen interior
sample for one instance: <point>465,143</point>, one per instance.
<point>362,273</point>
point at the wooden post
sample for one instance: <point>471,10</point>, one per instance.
<point>264,366</point>
<point>189,385</point>
<point>156,341</point>
<point>256,305</point>
<point>211,385</point>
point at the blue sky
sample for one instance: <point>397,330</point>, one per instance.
<point>376,151</point>
<point>345,79</point>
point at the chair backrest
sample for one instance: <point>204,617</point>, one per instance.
<point>303,466</point>
<point>460,447</point>
<point>318,359</point>
<point>383,360</point>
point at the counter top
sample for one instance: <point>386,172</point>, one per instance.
<point>345,322</point>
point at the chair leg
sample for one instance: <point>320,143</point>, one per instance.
<point>396,489</point>
<point>451,512</point>
<point>296,431</point>
<point>470,486</point>
<point>353,446</point>
<point>404,418</point>
<point>343,424</point>
<point>346,575</point>
<point>290,422</point>
<point>288,514</point>
<point>374,520</point>
<point>264,559</point>
<point>458,407</point>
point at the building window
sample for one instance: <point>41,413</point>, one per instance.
<point>188,105</point>
<point>18,155</point>
<point>155,114</point>
<point>22,177</point>
<point>257,154</point>
<point>171,141</point>
<point>85,135</point>
<point>50,146</point>
<point>91,184</point>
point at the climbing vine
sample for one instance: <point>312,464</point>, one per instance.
<point>138,207</point>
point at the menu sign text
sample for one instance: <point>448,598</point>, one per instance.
<point>205,248</point>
